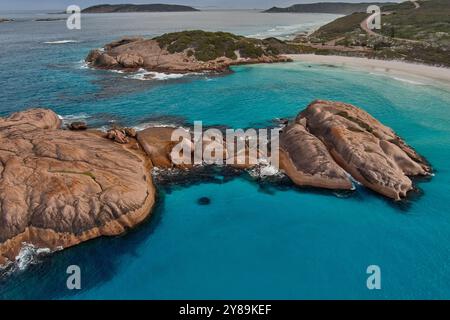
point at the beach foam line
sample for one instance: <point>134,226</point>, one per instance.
<point>398,70</point>
<point>61,42</point>
<point>409,81</point>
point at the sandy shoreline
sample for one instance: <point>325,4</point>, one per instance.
<point>415,72</point>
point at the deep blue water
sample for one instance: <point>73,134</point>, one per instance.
<point>252,241</point>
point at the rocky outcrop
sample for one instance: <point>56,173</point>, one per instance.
<point>371,152</point>
<point>59,188</point>
<point>185,52</point>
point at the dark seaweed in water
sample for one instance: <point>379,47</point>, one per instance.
<point>180,178</point>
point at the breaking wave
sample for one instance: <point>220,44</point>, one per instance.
<point>263,171</point>
<point>61,42</point>
<point>67,119</point>
<point>28,255</point>
<point>145,75</point>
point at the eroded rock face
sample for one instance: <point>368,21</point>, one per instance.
<point>306,160</point>
<point>59,188</point>
<point>371,152</point>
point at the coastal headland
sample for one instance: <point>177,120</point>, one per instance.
<point>61,187</point>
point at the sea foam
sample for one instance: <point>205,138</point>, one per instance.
<point>61,42</point>
<point>145,75</point>
<point>28,255</point>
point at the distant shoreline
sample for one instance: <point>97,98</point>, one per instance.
<point>408,70</point>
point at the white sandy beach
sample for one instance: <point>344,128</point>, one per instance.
<point>415,73</point>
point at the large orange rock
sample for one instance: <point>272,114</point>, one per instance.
<point>59,188</point>
<point>371,152</point>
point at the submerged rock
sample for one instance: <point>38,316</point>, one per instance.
<point>204,201</point>
<point>59,188</point>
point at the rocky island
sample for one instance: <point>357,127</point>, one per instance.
<point>118,8</point>
<point>59,187</point>
<point>189,51</point>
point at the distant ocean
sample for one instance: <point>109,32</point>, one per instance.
<point>255,240</point>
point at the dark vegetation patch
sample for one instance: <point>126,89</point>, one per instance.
<point>207,46</point>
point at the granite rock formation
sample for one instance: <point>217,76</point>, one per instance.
<point>187,52</point>
<point>372,153</point>
<point>59,187</point>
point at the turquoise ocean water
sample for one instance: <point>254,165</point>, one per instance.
<point>254,240</point>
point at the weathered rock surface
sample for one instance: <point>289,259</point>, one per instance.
<point>59,188</point>
<point>371,152</point>
<point>306,160</point>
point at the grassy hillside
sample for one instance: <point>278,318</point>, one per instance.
<point>430,22</point>
<point>339,27</point>
<point>325,7</point>
<point>407,33</point>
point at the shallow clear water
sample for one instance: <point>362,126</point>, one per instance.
<point>252,241</point>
